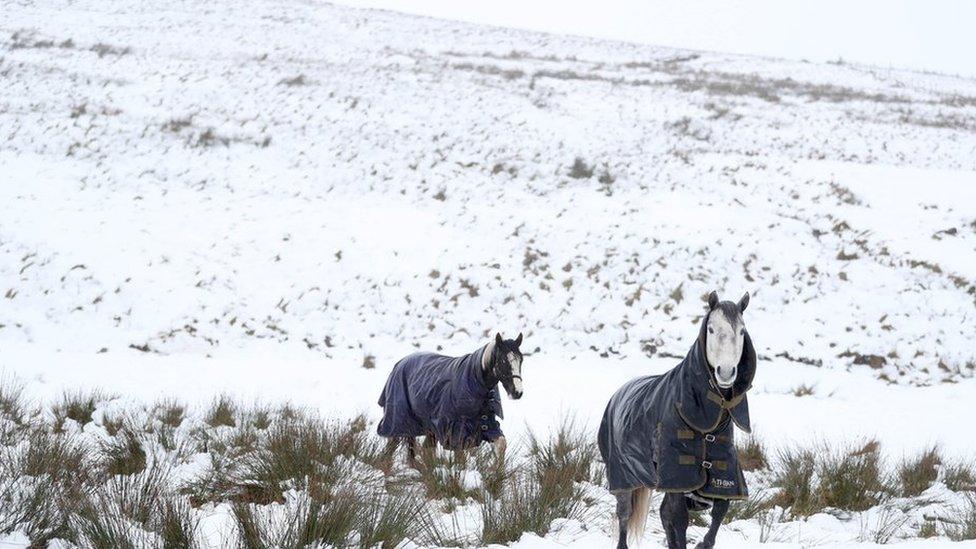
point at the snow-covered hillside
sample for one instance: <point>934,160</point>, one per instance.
<point>186,178</point>
<point>265,197</point>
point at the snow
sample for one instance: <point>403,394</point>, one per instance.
<point>888,33</point>
<point>178,220</point>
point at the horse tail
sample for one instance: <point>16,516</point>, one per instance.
<point>640,505</point>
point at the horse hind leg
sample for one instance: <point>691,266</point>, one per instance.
<point>624,511</point>
<point>674,518</point>
<point>632,508</point>
<point>719,508</point>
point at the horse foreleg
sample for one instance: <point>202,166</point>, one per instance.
<point>674,518</point>
<point>389,452</point>
<point>412,451</point>
<point>719,508</point>
<point>624,510</point>
<point>499,445</point>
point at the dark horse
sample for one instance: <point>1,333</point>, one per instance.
<point>451,400</point>
<point>673,432</point>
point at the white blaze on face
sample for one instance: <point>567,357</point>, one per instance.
<point>723,347</point>
<point>513,359</point>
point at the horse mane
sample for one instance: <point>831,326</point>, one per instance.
<point>487,355</point>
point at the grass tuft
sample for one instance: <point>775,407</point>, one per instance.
<point>846,478</point>
<point>305,454</point>
<point>304,522</point>
<point>750,508</point>
<point>569,453</point>
<point>442,475</point>
<point>548,488</point>
<point>42,482</point>
<point>170,413</point>
<point>14,414</point>
<point>580,169</point>
<point>851,478</point>
<point>793,476</point>
<point>916,474</point>
<point>529,503</point>
<point>77,406</point>
<point>960,476</point>
<point>752,454</point>
<point>123,454</point>
<point>222,412</point>
<point>135,511</point>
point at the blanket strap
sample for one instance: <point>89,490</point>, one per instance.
<point>725,404</point>
<point>721,465</point>
<point>688,434</point>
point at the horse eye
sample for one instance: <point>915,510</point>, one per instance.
<point>742,331</point>
<point>710,330</point>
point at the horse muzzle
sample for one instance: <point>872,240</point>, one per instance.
<point>725,377</point>
<point>514,387</point>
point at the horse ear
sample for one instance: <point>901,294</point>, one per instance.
<point>498,338</point>
<point>743,303</point>
<point>518,340</point>
<point>712,300</point>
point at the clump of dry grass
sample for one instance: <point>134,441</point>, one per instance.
<point>849,478</point>
<point>802,390</point>
<point>78,406</point>
<point>14,412</point>
<point>530,502</point>
<point>569,452</point>
<point>43,480</point>
<point>580,169</point>
<point>793,476</point>
<point>916,474</point>
<point>222,412</point>
<point>347,515</point>
<point>852,478</point>
<point>442,474</point>
<point>752,454</point>
<point>750,508</point>
<point>960,476</point>
<point>307,454</point>
<point>548,487</point>
<point>123,454</point>
<point>170,413</point>
<point>137,510</point>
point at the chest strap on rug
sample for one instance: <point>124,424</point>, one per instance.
<point>721,465</point>
<point>725,404</point>
<point>688,434</point>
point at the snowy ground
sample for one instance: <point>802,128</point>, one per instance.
<point>202,198</point>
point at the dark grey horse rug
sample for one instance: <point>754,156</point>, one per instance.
<point>674,433</point>
<point>447,397</point>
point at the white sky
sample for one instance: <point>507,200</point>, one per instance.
<point>938,35</point>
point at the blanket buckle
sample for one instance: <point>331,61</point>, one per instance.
<point>709,438</point>
<point>707,464</point>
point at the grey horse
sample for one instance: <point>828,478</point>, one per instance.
<point>674,432</point>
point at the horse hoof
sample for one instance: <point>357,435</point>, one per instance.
<point>703,546</point>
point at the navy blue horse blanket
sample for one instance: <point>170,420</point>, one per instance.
<point>673,432</point>
<point>446,397</point>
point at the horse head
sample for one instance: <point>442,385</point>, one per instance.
<point>506,365</point>
<point>725,333</point>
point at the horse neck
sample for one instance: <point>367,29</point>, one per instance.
<point>487,369</point>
